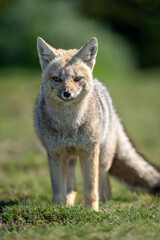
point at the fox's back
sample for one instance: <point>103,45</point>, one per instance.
<point>106,109</point>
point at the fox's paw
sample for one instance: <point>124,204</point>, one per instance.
<point>71,198</point>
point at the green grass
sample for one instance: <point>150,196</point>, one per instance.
<point>26,210</point>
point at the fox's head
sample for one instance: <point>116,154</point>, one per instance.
<point>67,74</point>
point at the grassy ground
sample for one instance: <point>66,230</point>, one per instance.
<point>26,211</point>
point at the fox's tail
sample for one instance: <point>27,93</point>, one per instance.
<point>131,167</point>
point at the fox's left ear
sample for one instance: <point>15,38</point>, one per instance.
<point>88,52</point>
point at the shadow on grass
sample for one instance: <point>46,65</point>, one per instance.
<point>4,204</point>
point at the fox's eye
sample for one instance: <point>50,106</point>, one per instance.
<point>56,79</point>
<point>77,79</point>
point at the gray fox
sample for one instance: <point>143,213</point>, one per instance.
<point>75,119</point>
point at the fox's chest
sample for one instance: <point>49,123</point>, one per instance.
<point>64,129</point>
<point>68,138</point>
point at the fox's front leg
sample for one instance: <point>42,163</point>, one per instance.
<point>71,182</point>
<point>90,170</point>
<point>58,174</point>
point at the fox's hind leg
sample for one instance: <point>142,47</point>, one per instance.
<point>71,182</point>
<point>107,152</point>
<point>104,186</point>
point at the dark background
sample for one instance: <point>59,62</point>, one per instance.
<point>134,23</point>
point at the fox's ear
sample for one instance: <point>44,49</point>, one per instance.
<point>46,53</point>
<point>88,52</point>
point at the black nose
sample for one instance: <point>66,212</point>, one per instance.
<point>66,94</point>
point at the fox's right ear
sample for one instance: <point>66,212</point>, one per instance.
<point>46,53</point>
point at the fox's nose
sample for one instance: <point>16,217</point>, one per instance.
<point>66,94</point>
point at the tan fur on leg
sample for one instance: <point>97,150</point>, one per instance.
<point>90,170</point>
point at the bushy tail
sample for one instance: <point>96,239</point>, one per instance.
<point>131,167</point>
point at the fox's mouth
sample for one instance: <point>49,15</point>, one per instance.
<point>65,99</point>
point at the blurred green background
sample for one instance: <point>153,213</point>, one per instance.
<point>128,62</point>
<point>122,27</point>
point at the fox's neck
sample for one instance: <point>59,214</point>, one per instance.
<point>68,114</point>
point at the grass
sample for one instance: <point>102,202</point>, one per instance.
<point>26,210</point>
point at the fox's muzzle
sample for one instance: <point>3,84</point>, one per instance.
<point>66,96</point>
